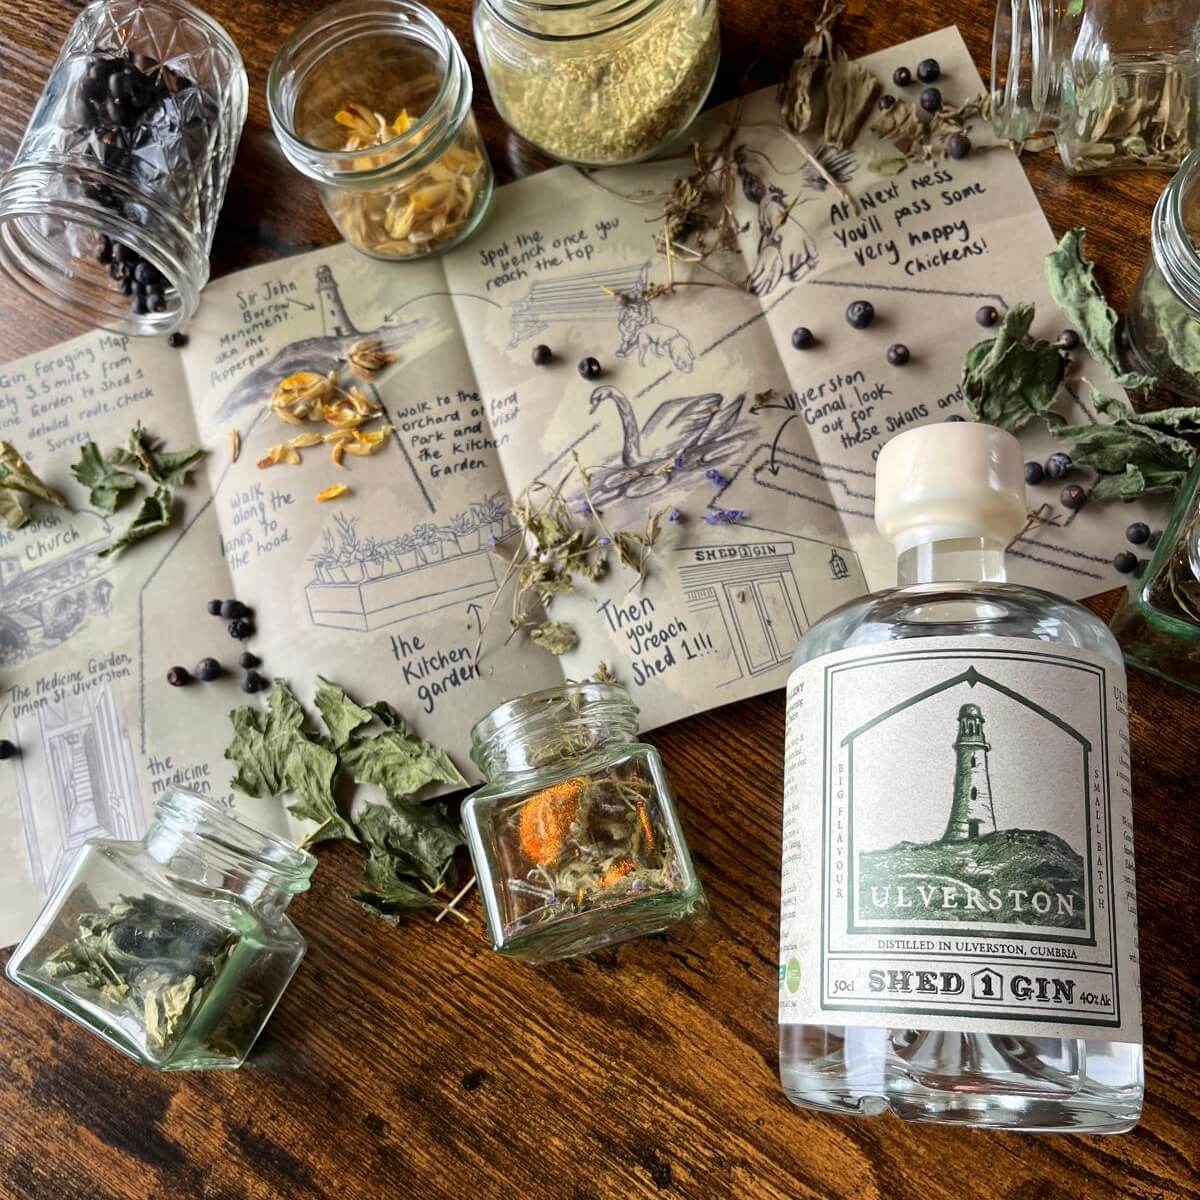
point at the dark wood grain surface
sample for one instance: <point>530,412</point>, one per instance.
<point>416,1063</point>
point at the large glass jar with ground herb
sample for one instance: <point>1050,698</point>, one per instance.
<point>1116,81</point>
<point>371,99</point>
<point>174,949</point>
<point>574,837</point>
<point>598,81</point>
<point>110,205</point>
<point>1163,322</point>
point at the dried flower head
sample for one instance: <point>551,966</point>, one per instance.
<point>545,820</point>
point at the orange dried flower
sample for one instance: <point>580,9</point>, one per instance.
<point>545,818</point>
<point>647,828</point>
<point>615,873</point>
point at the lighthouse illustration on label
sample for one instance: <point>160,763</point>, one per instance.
<point>972,813</point>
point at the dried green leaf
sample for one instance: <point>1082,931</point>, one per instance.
<point>1182,419</point>
<point>144,452</point>
<point>1114,446</point>
<point>1175,326</point>
<point>901,126</point>
<point>309,770</point>
<point>408,840</point>
<point>400,901</point>
<point>400,762</point>
<point>1134,482</point>
<point>850,91</point>
<point>262,742</point>
<point>107,483</point>
<point>17,479</point>
<point>153,514</point>
<point>556,636</point>
<point>798,93</point>
<point>342,716</point>
<point>1009,379</point>
<point>1071,276</point>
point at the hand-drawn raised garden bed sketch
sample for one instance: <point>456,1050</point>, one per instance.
<point>367,583</point>
<point>44,605</point>
<point>597,296</point>
<point>93,782</point>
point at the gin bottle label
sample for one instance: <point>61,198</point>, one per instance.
<point>958,841</point>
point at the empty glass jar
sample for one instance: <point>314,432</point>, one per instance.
<point>574,836</point>
<point>371,100</point>
<point>174,949</point>
<point>1116,81</point>
<point>1163,322</point>
<point>598,81</point>
<point>110,205</point>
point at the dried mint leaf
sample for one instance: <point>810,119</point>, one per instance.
<point>262,741</point>
<point>107,484</point>
<point>1134,482</point>
<point>342,716</point>
<point>400,900</point>
<point>153,514</point>
<point>1175,326</point>
<point>309,770</point>
<point>1009,379</point>
<point>1071,276</point>
<point>400,762</point>
<point>556,636</point>
<point>16,480</point>
<point>408,840</point>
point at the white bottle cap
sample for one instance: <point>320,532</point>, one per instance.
<point>955,479</point>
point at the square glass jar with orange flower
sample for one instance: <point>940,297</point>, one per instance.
<point>574,836</point>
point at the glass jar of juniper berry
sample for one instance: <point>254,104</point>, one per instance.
<point>574,836</point>
<point>177,948</point>
<point>110,205</point>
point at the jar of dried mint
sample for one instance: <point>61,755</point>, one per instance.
<point>1117,84</point>
<point>110,205</point>
<point>1163,321</point>
<point>598,81</point>
<point>574,836</point>
<point>174,949</point>
<point>371,100</point>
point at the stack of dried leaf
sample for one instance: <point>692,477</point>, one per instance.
<point>308,397</point>
<point>428,208</point>
<point>560,544</point>
<point>1011,378</point>
<point>410,845</point>
<point>112,480</point>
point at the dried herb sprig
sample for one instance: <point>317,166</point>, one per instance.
<point>17,480</point>
<point>920,139</point>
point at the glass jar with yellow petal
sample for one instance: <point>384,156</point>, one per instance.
<point>574,836</point>
<point>371,99</point>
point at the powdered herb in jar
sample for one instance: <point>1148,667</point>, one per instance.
<point>600,81</point>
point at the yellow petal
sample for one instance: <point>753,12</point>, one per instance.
<point>302,441</point>
<point>332,493</point>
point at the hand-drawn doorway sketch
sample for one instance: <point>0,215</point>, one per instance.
<point>43,606</point>
<point>320,354</point>
<point>93,783</point>
<point>614,294</point>
<point>752,589</point>
<point>368,583</point>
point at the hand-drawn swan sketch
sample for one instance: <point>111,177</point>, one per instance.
<point>321,354</point>
<point>680,440</point>
<point>771,265</point>
<point>641,332</point>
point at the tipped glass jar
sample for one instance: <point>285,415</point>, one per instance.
<point>1163,322</point>
<point>110,205</point>
<point>1117,83</point>
<point>598,82</point>
<point>574,837</point>
<point>371,100</point>
<point>174,949</point>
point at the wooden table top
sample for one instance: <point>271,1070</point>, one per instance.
<point>414,1062</point>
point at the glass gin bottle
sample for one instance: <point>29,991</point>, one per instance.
<point>958,932</point>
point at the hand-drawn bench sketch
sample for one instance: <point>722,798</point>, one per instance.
<point>589,296</point>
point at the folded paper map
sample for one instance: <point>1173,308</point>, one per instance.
<point>703,406</point>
